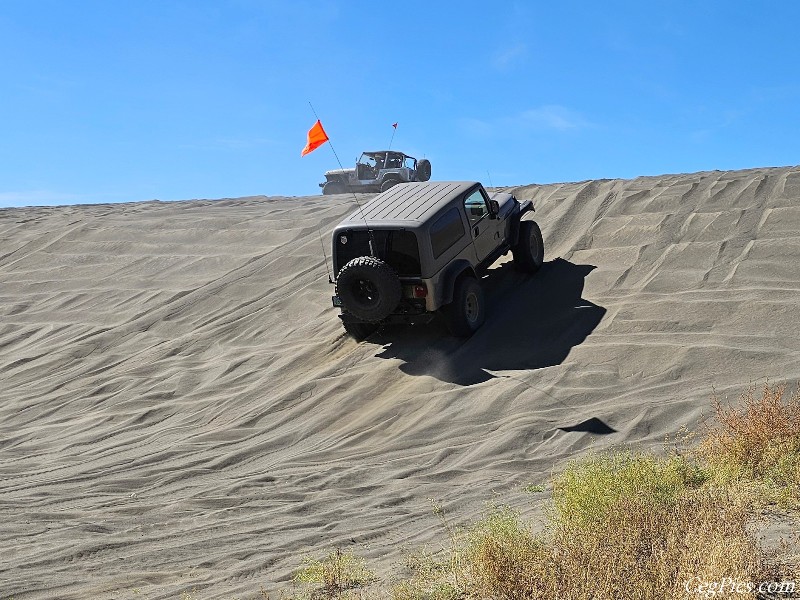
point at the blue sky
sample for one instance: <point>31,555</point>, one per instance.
<point>111,101</point>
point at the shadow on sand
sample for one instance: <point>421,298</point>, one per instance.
<point>532,322</point>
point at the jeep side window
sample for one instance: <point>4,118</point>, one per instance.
<point>394,161</point>
<point>411,163</point>
<point>365,167</point>
<point>475,207</point>
<point>367,160</point>
<point>446,231</point>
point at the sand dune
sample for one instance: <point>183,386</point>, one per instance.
<point>180,408</point>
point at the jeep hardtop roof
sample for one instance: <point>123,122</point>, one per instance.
<point>406,202</point>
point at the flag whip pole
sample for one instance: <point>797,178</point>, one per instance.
<point>355,198</point>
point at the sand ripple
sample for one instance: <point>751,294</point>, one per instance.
<point>180,408</point>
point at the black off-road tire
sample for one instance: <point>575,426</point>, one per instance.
<point>333,187</point>
<point>360,331</point>
<point>368,288</point>
<point>423,170</point>
<point>467,312</point>
<point>529,251</point>
<point>388,183</point>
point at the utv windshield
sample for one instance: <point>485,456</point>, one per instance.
<point>367,159</point>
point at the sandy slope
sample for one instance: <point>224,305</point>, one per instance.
<point>181,410</point>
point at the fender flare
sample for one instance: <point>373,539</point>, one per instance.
<point>389,177</point>
<point>447,281</point>
<point>524,207</point>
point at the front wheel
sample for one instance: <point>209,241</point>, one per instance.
<point>467,312</point>
<point>388,183</point>
<point>333,187</point>
<point>529,251</point>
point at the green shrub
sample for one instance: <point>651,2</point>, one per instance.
<point>592,486</point>
<point>335,573</point>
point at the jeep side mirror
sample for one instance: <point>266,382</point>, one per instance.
<point>494,208</point>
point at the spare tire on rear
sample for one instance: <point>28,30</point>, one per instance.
<point>368,288</point>
<point>423,170</point>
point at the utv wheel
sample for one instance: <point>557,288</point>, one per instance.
<point>368,288</point>
<point>360,331</point>
<point>467,312</point>
<point>388,183</point>
<point>333,187</point>
<point>423,170</point>
<point>529,251</point>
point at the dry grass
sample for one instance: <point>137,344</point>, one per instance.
<point>624,525</point>
<point>637,525</point>
<point>656,526</point>
<point>621,525</point>
<point>757,442</point>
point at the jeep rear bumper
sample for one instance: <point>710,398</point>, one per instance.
<point>396,319</point>
<point>410,310</point>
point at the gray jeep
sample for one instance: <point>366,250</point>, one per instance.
<point>376,172</point>
<point>420,249</point>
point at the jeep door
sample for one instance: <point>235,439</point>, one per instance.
<point>486,232</point>
<point>366,169</point>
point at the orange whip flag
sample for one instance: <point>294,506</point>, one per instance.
<point>316,137</point>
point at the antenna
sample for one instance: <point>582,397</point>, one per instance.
<point>355,198</point>
<point>490,178</point>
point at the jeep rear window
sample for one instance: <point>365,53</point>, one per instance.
<point>397,247</point>
<point>446,231</point>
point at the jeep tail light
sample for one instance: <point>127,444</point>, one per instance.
<point>420,291</point>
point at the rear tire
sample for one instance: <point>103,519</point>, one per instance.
<point>467,312</point>
<point>360,331</point>
<point>333,187</point>
<point>529,251</point>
